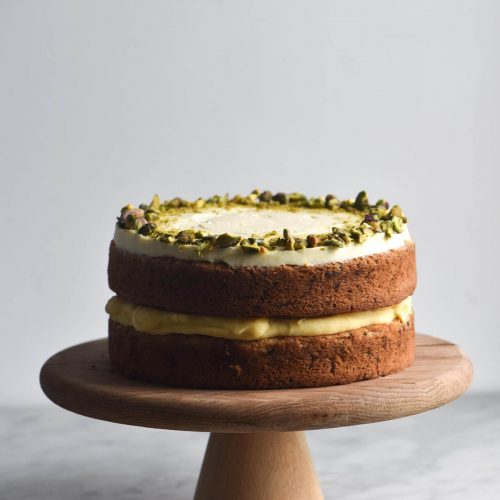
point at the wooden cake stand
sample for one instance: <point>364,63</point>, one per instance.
<point>257,448</point>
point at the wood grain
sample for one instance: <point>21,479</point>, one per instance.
<point>258,466</point>
<point>79,379</point>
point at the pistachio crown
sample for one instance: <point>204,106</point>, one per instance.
<point>151,220</point>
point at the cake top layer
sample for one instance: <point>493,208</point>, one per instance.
<point>247,222</point>
<point>262,229</point>
<point>262,222</point>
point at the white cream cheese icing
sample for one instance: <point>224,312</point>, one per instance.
<point>246,221</point>
<point>161,322</point>
<point>132,242</point>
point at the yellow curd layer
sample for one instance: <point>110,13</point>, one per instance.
<point>158,321</point>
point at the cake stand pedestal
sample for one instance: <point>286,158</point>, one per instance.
<point>257,448</point>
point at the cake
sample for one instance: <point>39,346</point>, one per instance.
<point>265,291</point>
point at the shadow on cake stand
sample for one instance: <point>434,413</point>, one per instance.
<point>257,448</point>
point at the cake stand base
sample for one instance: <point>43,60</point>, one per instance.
<point>256,450</point>
<point>264,465</point>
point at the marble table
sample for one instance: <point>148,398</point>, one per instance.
<point>451,453</point>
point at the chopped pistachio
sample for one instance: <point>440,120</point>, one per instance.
<point>151,216</point>
<point>125,209</point>
<point>347,204</point>
<point>299,244</point>
<point>155,221</point>
<point>397,224</point>
<point>274,242</point>
<point>175,203</point>
<point>155,203</point>
<point>396,211</point>
<point>263,242</point>
<point>386,226</point>
<point>185,237</point>
<point>249,247</point>
<point>266,196</point>
<point>139,223</point>
<point>201,247</point>
<point>227,240</point>
<point>361,201</point>
<point>375,225</point>
<point>331,201</point>
<point>131,216</point>
<point>281,198</point>
<point>333,241</point>
<point>358,235</point>
<point>253,199</point>
<point>199,203</point>
<point>367,230</point>
<point>312,240</point>
<point>167,238</point>
<point>340,234</point>
<point>289,240</point>
<point>146,229</point>
<point>316,203</point>
<point>297,198</point>
<point>382,203</point>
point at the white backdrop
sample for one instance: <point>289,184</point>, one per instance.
<point>103,103</point>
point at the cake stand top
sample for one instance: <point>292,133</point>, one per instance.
<point>79,379</point>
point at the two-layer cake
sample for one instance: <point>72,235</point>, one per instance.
<point>262,291</point>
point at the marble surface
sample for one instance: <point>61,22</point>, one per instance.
<point>450,453</point>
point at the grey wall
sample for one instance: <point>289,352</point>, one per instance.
<point>105,103</point>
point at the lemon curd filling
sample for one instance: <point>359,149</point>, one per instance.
<point>159,321</point>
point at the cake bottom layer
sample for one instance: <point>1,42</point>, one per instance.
<point>204,362</point>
